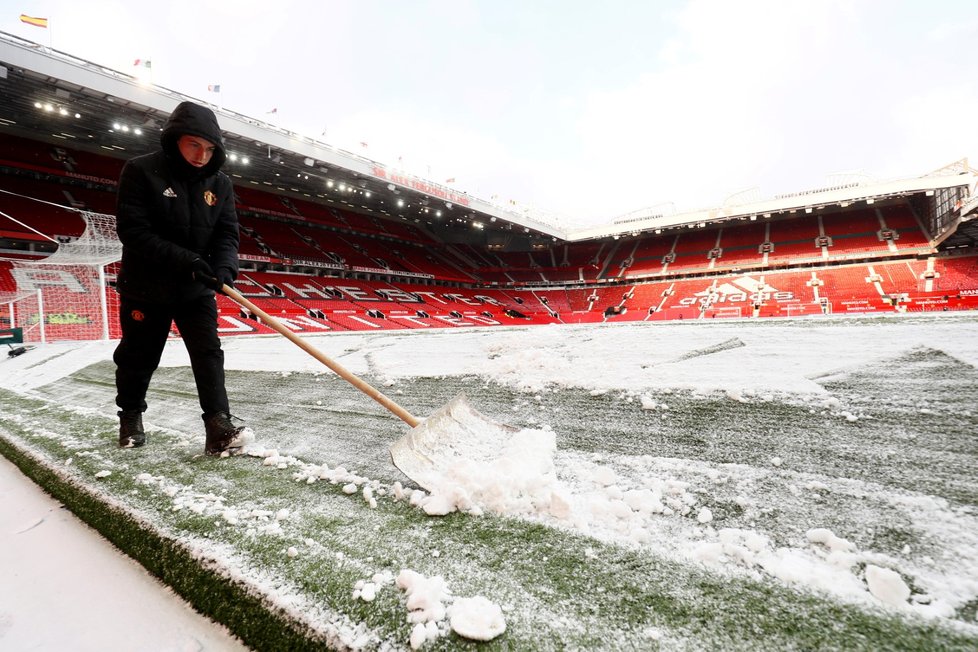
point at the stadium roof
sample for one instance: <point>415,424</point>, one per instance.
<point>51,95</point>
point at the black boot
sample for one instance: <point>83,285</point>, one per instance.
<point>222,435</point>
<point>131,434</point>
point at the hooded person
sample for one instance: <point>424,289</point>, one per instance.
<point>176,220</point>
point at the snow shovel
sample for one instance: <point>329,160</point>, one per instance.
<point>456,430</point>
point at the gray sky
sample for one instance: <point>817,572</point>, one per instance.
<point>586,110</point>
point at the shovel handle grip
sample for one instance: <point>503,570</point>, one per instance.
<point>339,369</point>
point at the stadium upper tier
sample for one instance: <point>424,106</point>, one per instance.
<point>326,244</point>
<point>44,182</point>
<point>51,95</point>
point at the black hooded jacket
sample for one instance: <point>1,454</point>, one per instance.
<point>170,213</point>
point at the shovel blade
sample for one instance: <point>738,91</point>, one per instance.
<point>454,432</point>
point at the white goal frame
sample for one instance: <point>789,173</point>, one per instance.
<point>66,296</point>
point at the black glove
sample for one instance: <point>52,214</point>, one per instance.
<point>224,277</point>
<point>203,274</point>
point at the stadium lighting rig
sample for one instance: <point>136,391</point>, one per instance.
<point>47,107</point>
<point>126,129</point>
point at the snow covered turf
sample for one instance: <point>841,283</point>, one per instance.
<point>735,485</point>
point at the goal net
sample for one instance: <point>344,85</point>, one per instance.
<point>66,296</point>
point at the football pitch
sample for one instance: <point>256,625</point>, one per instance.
<point>805,484</point>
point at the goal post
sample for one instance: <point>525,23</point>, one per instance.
<point>21,311</point>
<point>66,296</point>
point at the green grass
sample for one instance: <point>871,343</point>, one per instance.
<point>560,589</point>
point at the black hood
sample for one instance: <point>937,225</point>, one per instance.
<point>194,120</point>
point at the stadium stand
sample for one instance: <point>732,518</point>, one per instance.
<point>324,263</point>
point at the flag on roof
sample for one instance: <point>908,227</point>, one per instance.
<point>214,88</point>
<point>145,63</point>
<point>450,180</point>
<point>36,22</point>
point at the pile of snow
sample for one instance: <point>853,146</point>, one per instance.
<point>476,618</point>
<point>887,585</point>
<point>479,472</point>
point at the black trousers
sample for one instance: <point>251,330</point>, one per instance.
<point>145,327</point>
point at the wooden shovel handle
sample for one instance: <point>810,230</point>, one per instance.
<point>340,370</point>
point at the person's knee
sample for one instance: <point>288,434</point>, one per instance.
<point>206,350</point>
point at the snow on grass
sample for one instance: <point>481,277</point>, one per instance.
<point>693,467</point>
